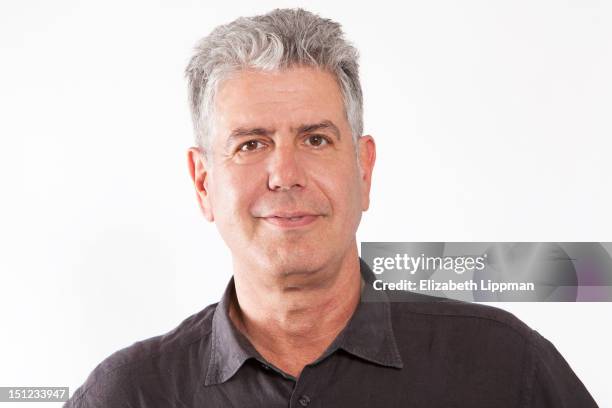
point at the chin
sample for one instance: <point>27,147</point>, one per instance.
<point>294,262</point>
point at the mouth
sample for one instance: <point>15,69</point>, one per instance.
<point>291,220</point>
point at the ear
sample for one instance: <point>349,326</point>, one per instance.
<point>198,169</point>
<point>367,158</point>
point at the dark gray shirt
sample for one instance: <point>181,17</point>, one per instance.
<point>411,351</point>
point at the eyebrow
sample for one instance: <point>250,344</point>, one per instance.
<point>242,132</point>
<point>323,125</point>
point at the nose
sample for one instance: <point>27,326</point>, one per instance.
<point>285,172</point>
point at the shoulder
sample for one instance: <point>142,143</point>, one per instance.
<point>460,334</point>
<point>482,348</point>
<point>554,382</point>
<point>500,351</point>
<point>468,318</point>
<point>145,361</point>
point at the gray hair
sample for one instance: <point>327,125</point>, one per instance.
<point>277,40</point>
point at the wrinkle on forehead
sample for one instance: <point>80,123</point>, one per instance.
<point>285,99</point>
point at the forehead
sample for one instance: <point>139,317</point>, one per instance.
<point>278,99</point>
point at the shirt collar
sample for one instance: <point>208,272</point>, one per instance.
<point>368,334</point>
<point>229,348</point>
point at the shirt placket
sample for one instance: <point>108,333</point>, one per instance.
<point>305,394</point>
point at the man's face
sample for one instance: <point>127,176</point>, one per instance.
<point>283,182</point>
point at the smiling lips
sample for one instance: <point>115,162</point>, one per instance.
<point>290,220</point>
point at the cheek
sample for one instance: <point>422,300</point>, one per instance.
<point>235,191</point>
<point>341,186</point>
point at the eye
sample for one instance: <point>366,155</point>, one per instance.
<point>317,140</point>
<point>250,146</point>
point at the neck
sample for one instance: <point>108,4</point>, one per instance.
<point>292,325</point>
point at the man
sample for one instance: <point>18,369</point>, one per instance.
<point>283,170</point>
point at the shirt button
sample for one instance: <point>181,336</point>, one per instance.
<point>304,400</point>
<point>265,366</point>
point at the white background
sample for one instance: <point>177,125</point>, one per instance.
<point>492,121</point>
